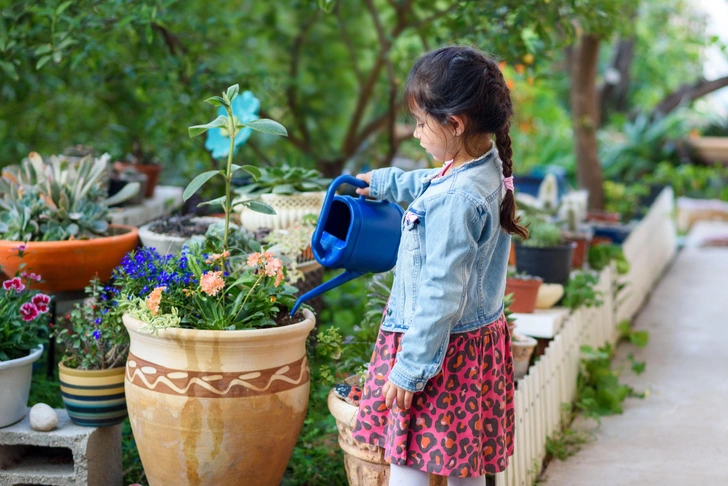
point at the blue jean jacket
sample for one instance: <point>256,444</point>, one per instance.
<point>451,266</point>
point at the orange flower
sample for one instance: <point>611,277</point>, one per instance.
<point>255,259</point>
<point>211,282</point>
<point>154,299</point>
<point>216,256</point>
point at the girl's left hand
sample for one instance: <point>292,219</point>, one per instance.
<point>392,392</point>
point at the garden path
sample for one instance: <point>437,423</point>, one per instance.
<point>678,435</point>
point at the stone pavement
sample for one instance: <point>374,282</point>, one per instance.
<point>678,435</point>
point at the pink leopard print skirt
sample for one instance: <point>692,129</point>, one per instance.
<point>461,424</point>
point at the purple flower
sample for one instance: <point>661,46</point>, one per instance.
<point>97,334</point>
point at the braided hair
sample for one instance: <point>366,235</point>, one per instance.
<point>463,81</point>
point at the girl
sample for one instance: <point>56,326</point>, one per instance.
<point>438,396</point>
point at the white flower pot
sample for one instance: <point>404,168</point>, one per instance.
<point>522,348</point>
<point>290,209</point>
<point>15,376</point>
<point>167,244</point>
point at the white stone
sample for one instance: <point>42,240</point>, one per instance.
<point>43,417</point>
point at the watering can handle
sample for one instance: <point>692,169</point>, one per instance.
<point>330,193</point>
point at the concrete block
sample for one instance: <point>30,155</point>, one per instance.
<point>69,455</point>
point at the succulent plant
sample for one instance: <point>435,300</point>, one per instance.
<point>543,234</point>
<point>55,201</point>
<point>285,180</point>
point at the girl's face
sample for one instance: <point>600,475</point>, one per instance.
<point>436,139</point>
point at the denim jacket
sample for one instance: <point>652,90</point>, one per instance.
<point>451,265</point>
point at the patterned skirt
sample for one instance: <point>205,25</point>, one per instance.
<point>462,423</point>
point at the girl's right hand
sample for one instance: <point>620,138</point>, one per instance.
<point>366,178</point>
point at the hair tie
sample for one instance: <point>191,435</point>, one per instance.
<point>508,182</point>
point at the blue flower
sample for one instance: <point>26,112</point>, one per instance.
<point>245,108</point>
<point>97,334</point>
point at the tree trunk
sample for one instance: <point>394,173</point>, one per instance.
<point>585,118</point>
<point>614,93</point>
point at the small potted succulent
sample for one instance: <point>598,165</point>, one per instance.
<point>524,290</point>
<point>292,192</point>
<point>24,314</point>
<point>59,210</point>
<point>522,346</point>
<point>545,253</point>
<point>140,161</point>
<point>92,369</point>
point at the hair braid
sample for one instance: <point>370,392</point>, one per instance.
<point>508,219</point>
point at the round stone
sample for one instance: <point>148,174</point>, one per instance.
<point>43,417</point>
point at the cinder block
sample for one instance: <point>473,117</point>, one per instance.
<point>69,455</point>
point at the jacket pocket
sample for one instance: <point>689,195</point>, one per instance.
<point>413,228</point>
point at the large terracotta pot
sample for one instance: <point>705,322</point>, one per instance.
<point>93,398</point>
<point>69,265</point>
<point>217,407</point>
<point>365,463</point>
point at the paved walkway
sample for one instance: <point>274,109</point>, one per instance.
<point>679,434</point>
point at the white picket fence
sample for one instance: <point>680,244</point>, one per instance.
<point>551,382</point>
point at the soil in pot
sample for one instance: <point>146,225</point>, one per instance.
<point>524,293</point>
<point>185,226</point>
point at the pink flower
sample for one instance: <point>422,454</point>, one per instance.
<point>211,282</point>
<point>273,266</point>
<point>28,311</point>
<point>154,299</point>
<point>41,301</point>
<point>255,259</point>
<point>15,284</point>
<point>34,276</point>
<point>20,248</point>
<point>216,256</point>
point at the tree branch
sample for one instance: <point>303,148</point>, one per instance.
<point>687,93</point>
<point>349,45</point>
<point>298,119</point>
<point>174,44</point>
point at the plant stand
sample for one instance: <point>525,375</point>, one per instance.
<point>67,455</point>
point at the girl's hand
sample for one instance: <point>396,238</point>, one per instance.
<point>392,392</point>
<point>366,178</point>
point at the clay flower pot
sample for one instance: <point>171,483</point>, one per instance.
<point>580,251</point>
<point>93,398</point>
<point>150,170</point>
<point>365,464</point>
<point>217,407</point>
<point>69,265</point>
<point>524,293</point>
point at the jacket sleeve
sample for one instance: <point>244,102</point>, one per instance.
<point>443,289</point>
<point>394,184</point>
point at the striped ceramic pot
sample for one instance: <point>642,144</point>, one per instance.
<point>217,407</point>
<point>93,398</point>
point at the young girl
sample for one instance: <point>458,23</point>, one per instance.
<point>438,396</point>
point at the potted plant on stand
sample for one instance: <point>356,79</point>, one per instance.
<point>92,369</point>
<point>60,212</point>
<point>24,314</point>
<point>545,253</point>
<point>292,192</point>
<point>217,378</point>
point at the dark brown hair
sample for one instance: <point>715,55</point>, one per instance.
<point>462,81</point>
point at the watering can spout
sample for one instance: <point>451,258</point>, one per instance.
<point>340,279</point>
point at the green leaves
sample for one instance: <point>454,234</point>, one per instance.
<point>265,125</point>
<point>217,101</point>
<point>626,333</point>
<point>232,92</point>
<point>257,206</point>
<point>219,122</point>
<point>198,182</point>
<point>250,169</point>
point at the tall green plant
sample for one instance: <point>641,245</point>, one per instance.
<point>231,125</point>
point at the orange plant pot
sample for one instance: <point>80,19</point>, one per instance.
<point>512,255</point>
<point>580,252</point>
<point>69,265</point>
<point>151,170</point>
<point>524,293</point>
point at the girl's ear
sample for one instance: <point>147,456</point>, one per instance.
<point>457,123</point>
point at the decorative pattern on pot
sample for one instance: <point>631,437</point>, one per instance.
<point>290,209</point>
<point>15,378</point>
<point>93,398</point>
<point>217,407</point>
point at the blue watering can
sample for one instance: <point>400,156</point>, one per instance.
<point>356,234</point>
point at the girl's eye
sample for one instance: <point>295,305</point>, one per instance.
<point>420,125</point>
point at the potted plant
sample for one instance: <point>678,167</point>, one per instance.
<point>545,253</point>
<point>24,313</point>
<point>624,201</point>
<point>92,369</point>
<point>292,192</point>
<point>169,235</point>
<point>523,289</point>
<point>522,346</point>
<point>711,146</point>
<point>140,161</point>
<point>59,211</point>
<point>575,231</point>
<point>217,378</point>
